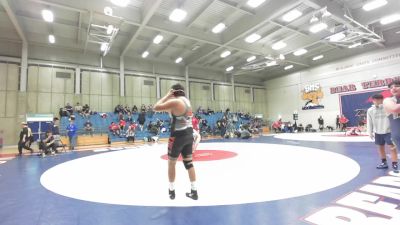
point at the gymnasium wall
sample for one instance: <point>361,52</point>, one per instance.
<point>47,92</point>
<point>283,95</point>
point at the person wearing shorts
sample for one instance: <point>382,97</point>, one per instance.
<point>378,128</point>
<point>181,139</point>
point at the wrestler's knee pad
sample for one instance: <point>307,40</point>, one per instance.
<point>188,164</point>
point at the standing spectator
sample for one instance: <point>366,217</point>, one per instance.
<point>378,127</point>
<point>72,133</point>
<point>24,139</point>
<point>89,127</point>
<point>142,120</point>
<point>337,122</point>
<point>321,123</point>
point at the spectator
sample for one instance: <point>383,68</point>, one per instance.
<point>47,146</point>
<point>337,122</point>
<point>72,133</point>
<point>142,119</point>
<point>89,127</point>
<point>276,126</point>
<point>134,109</point>
<point>129,117</point>
<point>143,108</point>
<point>130,133</point>
<point>78,108</point>
<point>343,122</point>
<point>321,123</point>
<point>114,129</point>
<point>122,124</point>
<point>69,109</point>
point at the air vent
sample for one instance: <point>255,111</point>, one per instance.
<point>64,75</point>
<point>206,87</point>
<point>247,91</point>
<point>148,82</point>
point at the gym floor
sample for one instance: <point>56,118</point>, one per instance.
<point>282,180</point>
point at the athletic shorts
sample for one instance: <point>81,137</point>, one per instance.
<point>382,139</point>
<point>181,142</point>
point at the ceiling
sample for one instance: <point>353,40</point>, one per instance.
<point>136,25</point>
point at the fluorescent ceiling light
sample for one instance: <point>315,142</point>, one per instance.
<point>288,67</point>
<point>177,15</point>
<point>103,46</point>
<point>255,3</point>
<point>251,58</point>
<point>158,39</point>
<point>225,54</point>
<point>272,63</point>
<point>121,3</point>
<point>52,39</point>
<point>218,28</point>
<point>279,45</point>
<point>108,11</point>
<point>355,45</point>
<point>374,4</point>
<point>314,19</point>
<point>300,52</point>
<point>178,60</point>
<point>337,37</point>
<point>145,54</point>
<point>47,15</point>
<point>326,14</point>
<point>229,69</point>
<point>110,29</point>
<point>281,57</point>
<point>252,38</point>
<point>318,57</point>
<point>318,27</point>
<point>390,19</point>
<point>292,15</point>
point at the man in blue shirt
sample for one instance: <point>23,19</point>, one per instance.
<point>71,128</point>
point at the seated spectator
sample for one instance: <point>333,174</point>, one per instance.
<point>129,117</point>
<point>69,109</point>
<point>47,145</point>
<point>276,126</point>
<point>63,112</point>
<point>78,108</point>
<point>130,133</point>
<point>114,129</point>
<point>88,127</point>
<point>300,128</point>
<point>134,109</point>
<point>122,124</point>
<point>103,115</point>
<point>343,122</point>
<point>143,108</point>
<point>127,109</point>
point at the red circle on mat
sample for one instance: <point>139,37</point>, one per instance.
<point>207,155</point>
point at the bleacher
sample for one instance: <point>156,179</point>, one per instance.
<point>101,134</point>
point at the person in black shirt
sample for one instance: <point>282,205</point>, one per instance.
<point>24,139</point>
<point>321,123</point>
<point>48,144</point>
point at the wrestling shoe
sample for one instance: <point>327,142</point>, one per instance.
<point>193,195</point>
<point>395,168</point>
<point>382,166</point>
<point>171,194</point>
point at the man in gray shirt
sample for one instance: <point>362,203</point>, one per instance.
<point>378,128</point>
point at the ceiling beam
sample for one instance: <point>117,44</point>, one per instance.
<point>149,10</point>
<point>166,46</point>
<point>14,20</point>
<point>200,12</point>
<point>87,32</point>
<point>78,35</point>
<point>237,6</point>
<point>61,6</point>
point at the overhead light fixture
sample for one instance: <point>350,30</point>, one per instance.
<point>195,47</point>
<point>252,38</point>
<point>121,3</point>
<point>337,37</point>
<point>279,45</point>
<point>251,58</point>
<point>218,28</point>
<point>178,60</point>
<point>103,47</point>
<point>314,19</point>
<point>318,57</point>
<point>355,45</point>
<point>145,54</point>
<point>326,13</point>
<point>157,40</point>
<point>292,15</point>
<point>229,68</point>
<point>255,3</point>
<point>300,52</point>
<point>374,4</point>
<point>318,27</point>
<point>108,11</point>
<point>110,29</point>
<point>47,15</point>
<point>288,67</point>
<point>272,63</point>
<point>397,32</point>
<point>52,39</point>
<point>177,15</point>
<point>281,56</point>
<point>225,54</point>
<point>390,19</point>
